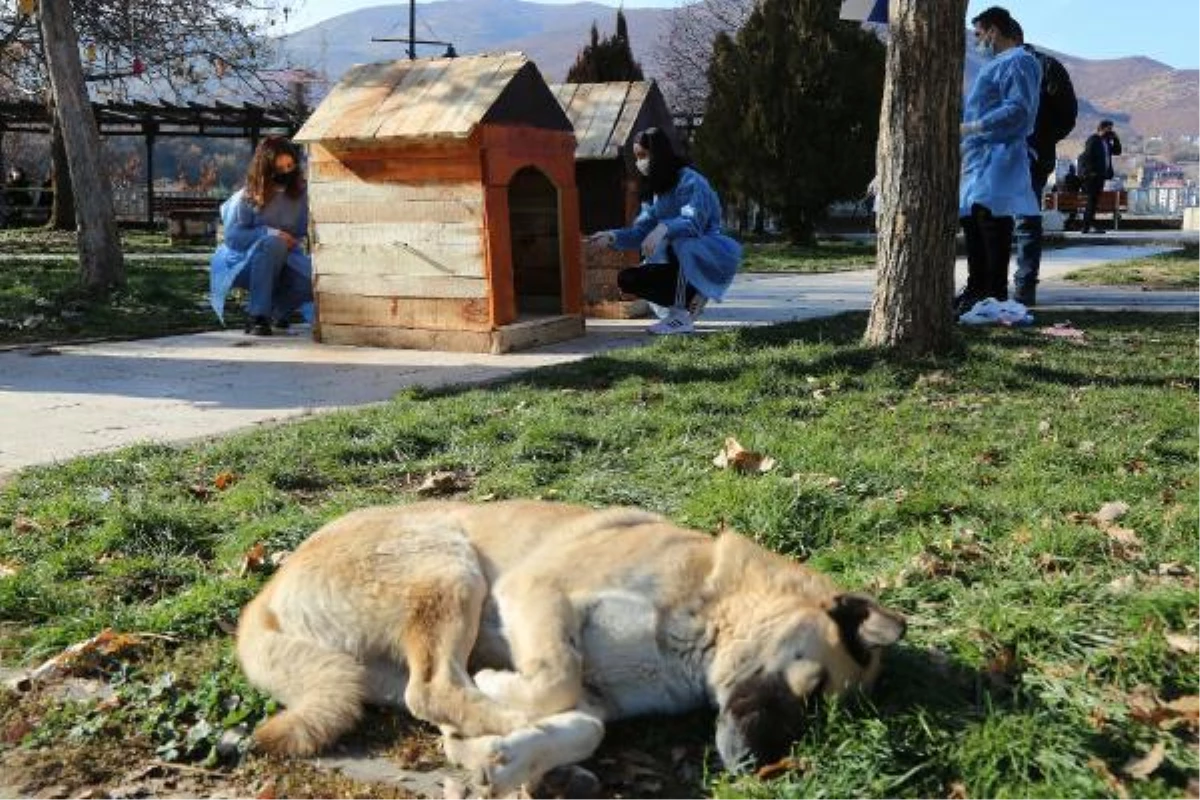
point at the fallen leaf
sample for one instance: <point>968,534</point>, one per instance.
<point>200,491</point>
<point>1135,466</point>
<point>443,482</point>
<point>1123,584</point>
<point>1111,512</point>
<point>1114,783</point>
<point>1186,708</point>
<point>253,560</point>
<point>1182,643</point>
<point>17,730</point>
<point>1142,768</point>
<point>1050,563</point>
<point>85,656</point>
<point>23,524</point>
<point>267,791</point>
<point>224,480</point>
<point>1126,543</point>
<point>743,460</point>
<point>7,570</point>
<point>1004,667</point>
<point>780,767</point>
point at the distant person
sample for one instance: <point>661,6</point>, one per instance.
<point>687,260</point>
<point>18,189</point>
<point>1057,110</point>
<point>1070,182</point>
<point>265,222</point>
<point>998,118</point>
<point>1096,167</point>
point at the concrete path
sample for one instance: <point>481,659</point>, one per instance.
<point>72,400</point>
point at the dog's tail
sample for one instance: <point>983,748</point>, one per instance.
<point>323,689</point>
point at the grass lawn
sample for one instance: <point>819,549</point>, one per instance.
<point>1051,649</point>
<point>1179,269</point>
<point>827,256</point>
<point>41,300</point>
<point>39,240</point>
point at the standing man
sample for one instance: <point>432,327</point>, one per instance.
<point>1095,167</point>
<point>994,187</point>
<point>1057,109</point>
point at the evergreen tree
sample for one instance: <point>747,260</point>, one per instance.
<point>607,59</point>
<point>794,110</point>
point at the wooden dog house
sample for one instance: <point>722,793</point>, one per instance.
<point>444,208</point>
<point>607,117</point>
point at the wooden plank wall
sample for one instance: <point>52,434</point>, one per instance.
<point>393,224</point>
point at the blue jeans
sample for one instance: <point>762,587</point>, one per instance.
<point>1029,234</point>
<point>275,289</point>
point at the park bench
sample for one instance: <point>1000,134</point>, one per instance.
<point>24,206</point>
<point>190,218</point>
<point>1112,202</point>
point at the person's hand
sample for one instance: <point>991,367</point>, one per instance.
<point>602,239</point>
<point>653,240</point>
<point>969,128</point>
<point>288,239</point>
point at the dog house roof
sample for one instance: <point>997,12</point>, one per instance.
<point>605,115</point>
<point>434,98</point>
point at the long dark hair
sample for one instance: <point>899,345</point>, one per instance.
<point>260,187</point>
<point>665,163</point>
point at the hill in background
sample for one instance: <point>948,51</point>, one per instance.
<point>1144,96</point>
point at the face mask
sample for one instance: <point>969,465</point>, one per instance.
<point>643,166</point>
<point>986,49</point>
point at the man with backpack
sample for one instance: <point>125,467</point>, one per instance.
<point>1057,109</point>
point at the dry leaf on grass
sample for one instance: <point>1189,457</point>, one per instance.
<point>7,570</point>
<point>23,524</point>
<point>780,767</point>
<point>1183,643</point>
<point>1125,542</point>
<point>733,455</point>
<point>443,482</point>
<point>1106,774</point>
<point>1110,513</point>
<point>1142,768</point>
<point>83,657</point>
<point>253,560</point>
<point>224,480</point>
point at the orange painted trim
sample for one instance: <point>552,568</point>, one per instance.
<point>570,259</point>
<point>502,302</point>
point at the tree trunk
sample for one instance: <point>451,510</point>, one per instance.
<point>918,166</point>
<point>62,203</point>
<point>101,262</point>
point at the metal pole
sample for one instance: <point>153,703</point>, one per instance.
<point>412,29</point>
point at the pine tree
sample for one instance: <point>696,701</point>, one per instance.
<point>607,59</point>
<point>804,101</point>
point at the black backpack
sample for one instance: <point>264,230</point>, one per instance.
<point>1057,105</point>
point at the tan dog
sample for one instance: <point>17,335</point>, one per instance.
<point>520,628</point>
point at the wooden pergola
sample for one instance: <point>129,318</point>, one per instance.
<point>153,120</point>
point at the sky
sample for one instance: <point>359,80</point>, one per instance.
<point>1165,30</point>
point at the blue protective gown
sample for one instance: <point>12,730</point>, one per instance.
<point>995,161</point>
<point>691,213</point>
<point>247,232</point>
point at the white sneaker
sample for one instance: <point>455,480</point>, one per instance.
<point>696,306</point>
<point>676,321</point>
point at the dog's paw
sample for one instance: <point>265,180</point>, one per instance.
<point>502,686</point>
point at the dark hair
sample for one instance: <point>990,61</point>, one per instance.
<point>998,18</point>
<point>665,163</point>
<point>1105,123</point>
<point>259,186</point>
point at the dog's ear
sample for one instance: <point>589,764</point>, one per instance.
<point>865,622</point>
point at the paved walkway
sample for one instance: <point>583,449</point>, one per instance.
<point>80,399</point>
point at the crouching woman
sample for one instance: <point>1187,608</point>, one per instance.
<point>687,260</point>
<point>265,222</point>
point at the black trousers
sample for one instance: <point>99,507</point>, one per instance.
<point>1093,185</point>
<point>657,283</point>
<point>989,246</point>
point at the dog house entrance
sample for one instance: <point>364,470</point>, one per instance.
<point>536,255</point>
